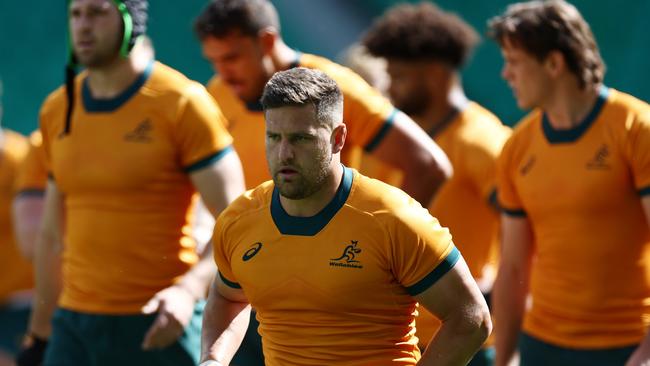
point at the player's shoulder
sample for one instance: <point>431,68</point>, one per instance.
<point>526,129</point>
<point>248,206</point>
<point>622,106</point>
<point>485,117</point>
<point>228,101</point>
<point>216,85</point>
<point>344,77</point>
<point>481,127</point>
<point>165,80</point>
<point>14,145</point>
<point>55,102</point>
<point>382,201</point>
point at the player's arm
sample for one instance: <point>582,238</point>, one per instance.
<point>27,214</point>
<point>642,354</point>
<point>511,285</point>
<point>225,321</point>
<point>47,269</point>
<point>218,184</point>
<point>47,262</point>
<point>407,147</point>
<point>457,301</point>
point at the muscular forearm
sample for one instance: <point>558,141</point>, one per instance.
<point>457,341</point>
<point>197,280</point>
<point>510,290</point>
<point>27,215</point>
<point>47,267</point>
<point>224,326</point>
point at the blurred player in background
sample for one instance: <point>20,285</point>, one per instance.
<point>16,279</point>
<point>128,143</point>
<point>574,184</point>
<point>333,261</point>
<point>30,190</point>
<point>373,70</point>
<point>425,48</point>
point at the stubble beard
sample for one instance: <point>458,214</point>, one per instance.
<point>306,183</point>
<point>100,58</point>
<point>414,105</point>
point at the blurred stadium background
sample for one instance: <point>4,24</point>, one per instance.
<point>33,45</point>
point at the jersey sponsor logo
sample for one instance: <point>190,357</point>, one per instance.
<point>252,251</point>
<point>525,169</point>
<point>348,258</point>
<point>600,161</point>
<point>141,133</point>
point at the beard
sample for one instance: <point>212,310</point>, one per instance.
<point>415,104</point>
<point>306,182</point>
<point>99,57</point>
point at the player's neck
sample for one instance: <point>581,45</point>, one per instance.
<point>312,205</point>
<point>111,80</point>
<point>442,108</point>
<point>568,105</point>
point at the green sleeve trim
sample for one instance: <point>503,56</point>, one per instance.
<point>513,213</point>
<point>383,131</point>
<point>228,282</point>
<point>437,273</point>
<point>493,200</point>
<point>644,191</point>
<point>209,160</point>
<point>31,192</point>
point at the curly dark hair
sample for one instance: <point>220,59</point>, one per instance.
<point>220,17</point>
<point>421,32</point>
<point>540,27</point>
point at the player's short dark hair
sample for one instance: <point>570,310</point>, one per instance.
<point>221,17</point>
<point>540,27</point>
<point>301,86</point>
<point>423,31</point>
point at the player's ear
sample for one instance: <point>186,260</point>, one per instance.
<point>267,38</point>
<point>339,135</point>
<point>555,63</point>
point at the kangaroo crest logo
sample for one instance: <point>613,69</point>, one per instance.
<point>348,258</point>
<point>600,159</point>
<point>141,134</point>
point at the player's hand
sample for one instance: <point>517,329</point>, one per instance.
<point>175,307</point>
<point>32,352</point>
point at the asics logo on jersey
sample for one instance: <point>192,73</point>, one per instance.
<point>141,134</point>
<point>528,166</point>
<point>347,259</point>
<point>252,251</point>
<point>599,161</point>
